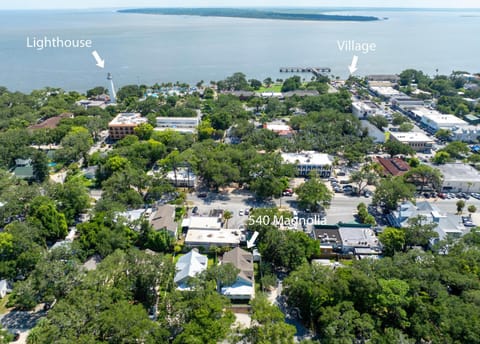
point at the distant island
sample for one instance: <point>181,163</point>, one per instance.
<point>249,13</point>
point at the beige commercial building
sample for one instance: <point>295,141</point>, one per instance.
<point>124,124</point>
<point>417,140</point>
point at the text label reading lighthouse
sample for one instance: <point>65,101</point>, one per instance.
<point>57,42</point>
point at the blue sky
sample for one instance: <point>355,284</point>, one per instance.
<point>49,4</point>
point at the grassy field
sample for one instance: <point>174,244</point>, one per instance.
<point>272,88</point>
<point>3,307</point>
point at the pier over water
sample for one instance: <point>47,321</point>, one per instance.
<point>317,71</point>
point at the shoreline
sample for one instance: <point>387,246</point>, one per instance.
<point>249,14</point>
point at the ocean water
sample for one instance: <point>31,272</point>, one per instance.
<point>152,48</point>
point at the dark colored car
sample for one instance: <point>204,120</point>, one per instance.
<point>202,195</point>
<point>195,210</point>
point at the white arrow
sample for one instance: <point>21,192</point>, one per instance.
<point>98,59</point>
<point>353,67</point>
<point>251,242</point>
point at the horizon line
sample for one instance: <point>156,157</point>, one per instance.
<point>234,7</point>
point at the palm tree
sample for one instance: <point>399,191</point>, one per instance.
<point>460,205</point>
<point>227,215</point>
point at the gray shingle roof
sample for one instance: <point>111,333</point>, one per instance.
<point>242,260</point>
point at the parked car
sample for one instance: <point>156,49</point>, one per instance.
<point>195,210</point>
<point>240,213</point>
<point>202,195</point>
<point>16,335</point>
<point>247,211</point>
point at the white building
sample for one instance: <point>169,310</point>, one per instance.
<point>459,178</point>
<point>88,104</point>
<point>406,102</point>
<point>202,223</point>
<point>418,141</point>
<point>364,109</point>
<point>182,177</point>
<point>435,120</point>
<point>310,161</point>
<point>188,266</point>
<point>469,133</point>
<point>4,288</point>
<point>385,92</point>
<point>132,215</point>
<point>207,238</point>
<point>279,128</point>
<point>179,124</point>
<point>447,225</point>
<point>278,95</point>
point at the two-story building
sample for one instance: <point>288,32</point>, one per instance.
<point>309,161</point>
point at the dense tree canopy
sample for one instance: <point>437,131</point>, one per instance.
<point>390,191</point>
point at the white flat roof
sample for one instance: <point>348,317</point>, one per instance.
<point>177,119</point>
<point>128,118</point>
<point>132,215</point>
<point>207,237</point>
<point>202,222</point>
<point>181,175</point>
<point>422,111</point>
<point>411,137</point>
<point>459,173</point>
<point>364,106</point>
<point>363,237</point>
<point>307,158</point>
<point>277,127</point>
<point>385,91</point>
<point>180,130</point>
<point>444,119</point>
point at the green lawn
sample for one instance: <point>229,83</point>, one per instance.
<point>256,277</point>
<point>3,307</point>
<point>273,88</point>
<point>211,262</point>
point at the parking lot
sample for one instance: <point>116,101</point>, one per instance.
<point>237,202</point>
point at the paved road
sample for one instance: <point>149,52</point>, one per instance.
<point>343,208</point>
<point>291,316</point>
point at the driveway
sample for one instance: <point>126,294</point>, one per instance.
<point>21,321</point>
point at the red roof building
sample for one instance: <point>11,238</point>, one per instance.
<point>51,123</point>
<point>393,166</point>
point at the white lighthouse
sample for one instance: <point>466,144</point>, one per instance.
<point>113,94</point>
